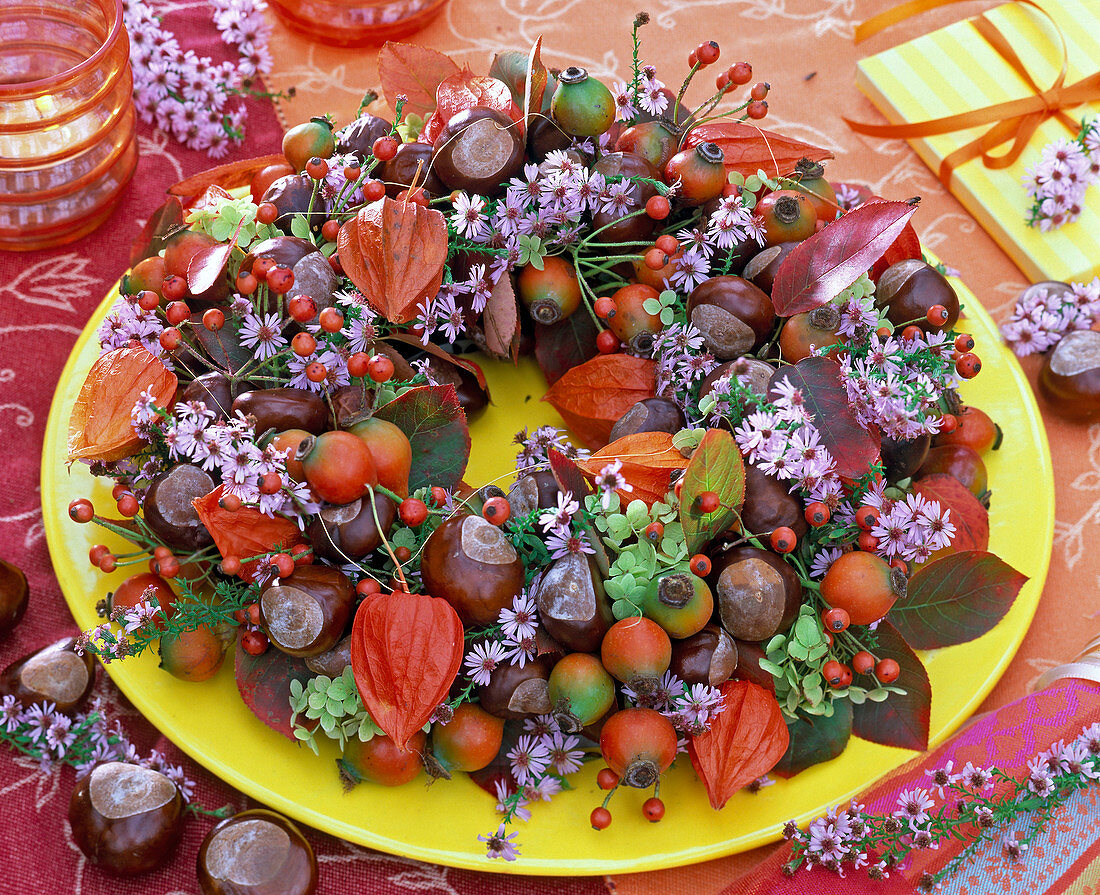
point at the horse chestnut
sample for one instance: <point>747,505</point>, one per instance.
<point>649,415</point>
<point>349,530</point>
<point>54,674</point>
<point>1070,376</point>
<point>572,604</point>
<point>479,150</point>
<point>909,288</point>
<point>169,511</point>
<point>471,564</point>
<point>734,315</point>
<point>305,613</point>
<point>708,657</point>
<point>255,853</point>
<point>126,818</point>
<point>758,593</point>
<point>283,408</point>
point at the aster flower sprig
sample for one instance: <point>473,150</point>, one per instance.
<point>142,626</point>
<point>1058,182</point>
<point>972,804</point>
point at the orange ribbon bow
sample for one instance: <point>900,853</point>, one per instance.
<point>1015,119</point>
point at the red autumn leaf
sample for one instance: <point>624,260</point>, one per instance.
<point>970,518</point>
<point>465,90</point>
<point>228,177</point>
<point>835,257</point>
<point>501,319</point>
<point>749,149</point>
<point>568,474</point>
<point>246,532</point>
<point>648,458</point>
<point>592,397</point>
<point>902,719</point>
<point>826,399</point>
<point>904,248</point>
<point>744,741</point>
<point>208,265</point>
<point>414,71</point>
<point>406,650</point>
<point>435,424</point>
<point>100,426</point>
<point>264,684</point>
<point>165,220</point>
<point>563,345</point>
<point>956,599</point>
<point>394,254</point>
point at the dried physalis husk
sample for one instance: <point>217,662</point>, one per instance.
<point>256,853</point>
<point>126,818</point>
<point>55,674</point>
<point>1070,376</point>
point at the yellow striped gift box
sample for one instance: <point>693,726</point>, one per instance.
<point>954,70</point>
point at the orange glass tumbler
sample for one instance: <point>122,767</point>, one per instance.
<point>356,23</point>
<point>67,141</point>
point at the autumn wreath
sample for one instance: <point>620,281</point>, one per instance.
<point>772,495</point>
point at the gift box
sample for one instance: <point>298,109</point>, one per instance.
<point>959,69</point>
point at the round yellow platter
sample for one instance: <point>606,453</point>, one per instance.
<point>440,824</point>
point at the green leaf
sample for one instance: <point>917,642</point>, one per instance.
<point>667,316</point>
<point>956,599</point>
<point>715,466</point>
<point>815,739</point>
<point>770,667</point>
<point>806,631</point>
<point>797,651</point>
<point>622,609</point>
<point>626,562</point>
<point>432,419</point>
<point>900,720</point>
<point>651,306</point>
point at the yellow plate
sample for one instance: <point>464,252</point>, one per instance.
<point>210,723</point>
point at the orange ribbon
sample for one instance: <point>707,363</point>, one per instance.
<point>1015,120</point>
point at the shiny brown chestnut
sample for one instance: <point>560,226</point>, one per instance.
<point>331,662</point>
<point>769,505</point>
<point>471,564</point>
<point>126,818</point>
<point>292,195</point>
<point>1069,379</point>
<point>758,594</point>
<point>351,402</point>
<point>412,162</point>
<point>284,408</point>
<point>359,135</point>
<point>544,136</point>
<point>14,594</point>
<point>631,226</point>
<point>535,491</point>
<point>649,415</point>
<point>256,852</point>
<point>168,508</point>
<point>54,674</point>
<point>903,458</point>
<point>909,288</point>
<point>734,315</point>
<point>514,692</point>
<point>749,654</point>
<point>709,657</point>
<point>305,613</point>
<point>479,150</point>
<point>349,531</point>
<point>573,607</point>
<point>213,390</point>
<point>762,267</point>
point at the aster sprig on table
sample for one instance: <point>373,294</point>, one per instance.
<point>973,804</point>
